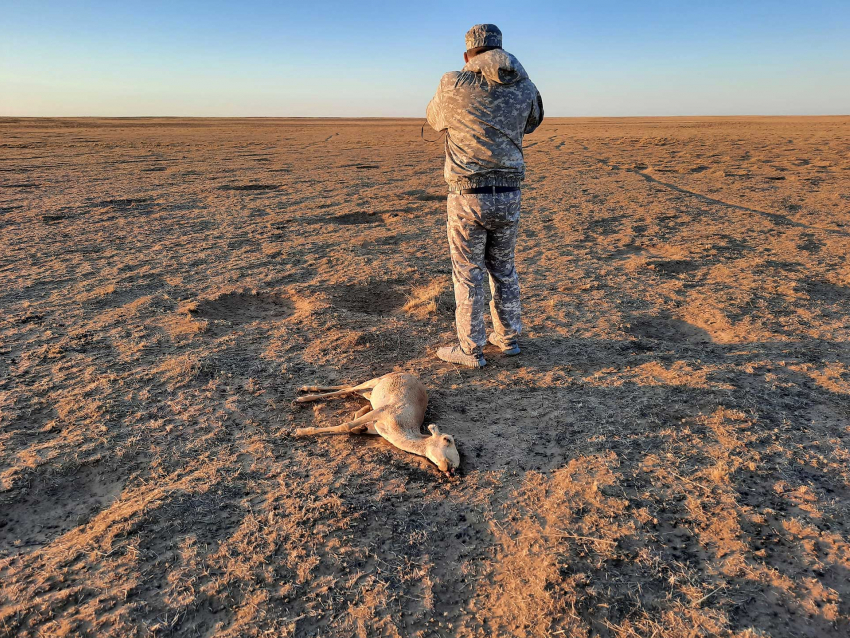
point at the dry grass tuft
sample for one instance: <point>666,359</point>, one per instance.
<point>428,300</point>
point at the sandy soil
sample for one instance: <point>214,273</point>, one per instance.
<point>668,457</point>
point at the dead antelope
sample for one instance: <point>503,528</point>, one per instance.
<point>397,409</point>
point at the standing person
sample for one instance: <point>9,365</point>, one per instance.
<point>485,110</point>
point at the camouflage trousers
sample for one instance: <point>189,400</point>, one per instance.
<point>482,236</point>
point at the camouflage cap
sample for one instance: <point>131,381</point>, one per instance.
<point>483,35</point>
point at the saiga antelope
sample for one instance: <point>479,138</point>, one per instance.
<point>397,409</point>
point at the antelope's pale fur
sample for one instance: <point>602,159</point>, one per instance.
<point>398,401</point>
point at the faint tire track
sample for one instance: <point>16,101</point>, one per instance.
<point>776,218</point>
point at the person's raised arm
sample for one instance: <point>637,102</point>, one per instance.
<point>434,112</point>
<point>535,118</point>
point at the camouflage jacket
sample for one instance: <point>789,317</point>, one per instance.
<point>485,110</point>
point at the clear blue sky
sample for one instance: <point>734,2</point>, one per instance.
<point>278,58</point>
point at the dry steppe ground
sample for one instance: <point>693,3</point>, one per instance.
<point>670,456</point>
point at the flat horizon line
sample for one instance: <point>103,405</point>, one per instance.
<point>390,117</point>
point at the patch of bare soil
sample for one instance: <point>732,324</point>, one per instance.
<point>668,457</point>
<point>241,307</point>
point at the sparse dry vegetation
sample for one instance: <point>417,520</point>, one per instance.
<point>668,457</point>
<point>428,301</point>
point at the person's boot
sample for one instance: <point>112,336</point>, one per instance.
<point>511,349</point>
<point>454,354</point>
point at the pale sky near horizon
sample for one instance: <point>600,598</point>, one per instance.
<point>264,58</point>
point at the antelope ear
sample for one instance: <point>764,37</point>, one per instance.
<point>433,429</point>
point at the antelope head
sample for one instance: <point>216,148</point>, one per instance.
<point>441,451</point>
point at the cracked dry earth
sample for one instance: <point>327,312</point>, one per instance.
<point>668,457</point>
